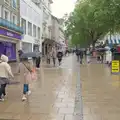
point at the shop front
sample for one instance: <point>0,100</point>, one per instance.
<point>8,43</point>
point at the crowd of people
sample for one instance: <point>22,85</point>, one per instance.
<point>53,55</point>
<point>25,70</point>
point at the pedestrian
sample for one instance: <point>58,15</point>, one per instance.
<point>5,72</point>
<point>81,56</point>
<point>20,52</point>
<point>88,55</point>
<point>54,55</point>
<point>25,70</point>
<point>38,60</point>
<point>102,57</point>
<point>48,57</point>
<point>77,54</point>
<point>59,56</point>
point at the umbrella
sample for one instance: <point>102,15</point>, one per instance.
<point>101,49</point>
<point>31,54</point>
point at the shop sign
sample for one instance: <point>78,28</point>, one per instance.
<point>11,34</point>
<point>115,66</point>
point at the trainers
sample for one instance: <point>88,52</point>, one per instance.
<point>24,98</point>
<point>2,100</point>
<point>29,92</point>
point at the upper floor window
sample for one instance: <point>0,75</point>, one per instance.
<point>23,24</point>
<point>29,28</point>
<point>6,15</point>
<point>34,31</point>
<point>14,4</point>
<point>14,19</point>
<point>7,2</point>
<point>38,33</point>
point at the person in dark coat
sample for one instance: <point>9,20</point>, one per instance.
<point>81,56</point>
<point>59,56</point>
<point>38,60</point>
<point>78,54</point>
<point>20,52</point>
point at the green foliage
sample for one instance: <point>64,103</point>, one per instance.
<point>91,20</point>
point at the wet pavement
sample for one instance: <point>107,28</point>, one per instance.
<point>100,93</point>
<point>53,95</point>
<point>69,92</point>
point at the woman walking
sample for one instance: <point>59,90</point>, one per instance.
<point>5,72</point>
<point>25,70</point>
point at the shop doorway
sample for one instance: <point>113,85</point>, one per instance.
<point>8,49</point>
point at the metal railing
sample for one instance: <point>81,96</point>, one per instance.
<point>10,25</point>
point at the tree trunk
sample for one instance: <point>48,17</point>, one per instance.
<point>93,44</point>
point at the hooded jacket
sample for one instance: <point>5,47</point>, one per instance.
<point>5,69</point>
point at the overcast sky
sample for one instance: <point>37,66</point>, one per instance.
<point>60,7</point>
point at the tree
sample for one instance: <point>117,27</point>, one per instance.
<point>91,20</point>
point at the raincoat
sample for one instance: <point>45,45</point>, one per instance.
<point>25,69</point>
<point>5,70</point>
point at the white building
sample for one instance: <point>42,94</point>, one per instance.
<point>58,33</point>
<point>45,6</point>
<point>31,21</point>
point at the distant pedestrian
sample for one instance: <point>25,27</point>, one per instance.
<point>54,55</point>
<point>59,56</point>
<point>38,60</point>
<point>78,54</point>
<point>5,72</point>
<point>25,70</point>
<point>88,55</point>
<point>81,56</point>
<point>48,57</point>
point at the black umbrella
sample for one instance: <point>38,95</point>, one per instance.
<point>31,54</point>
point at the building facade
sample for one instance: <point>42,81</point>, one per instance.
<point>58,33</point>
<point>45,6</point>
<point>10,30</point>
<point>31,22</point>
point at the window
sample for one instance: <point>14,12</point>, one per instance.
<point>7,2</point>
<point>29,28</point>
<point>14,4</point>
<point>14,19</point>
<point>38,33</point>
<point>34,31</point>
<point>23,24</point>
<point>6,15</point>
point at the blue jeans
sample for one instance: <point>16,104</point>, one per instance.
<point>25,88</point>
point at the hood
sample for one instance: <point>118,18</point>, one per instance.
<point>4,58</point>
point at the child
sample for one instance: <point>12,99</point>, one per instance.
<point>25,69</point>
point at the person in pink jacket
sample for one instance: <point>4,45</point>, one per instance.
<point>25,70</point>
<point>5,72</point>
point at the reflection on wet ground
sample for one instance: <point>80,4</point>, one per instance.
<point>53,95</point>
<point>100,93</point>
